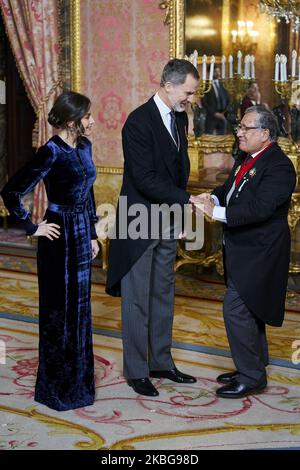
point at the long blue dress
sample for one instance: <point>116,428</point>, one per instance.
<point>65,378</point>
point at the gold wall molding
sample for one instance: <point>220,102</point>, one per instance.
<point>75,45</point>
<point>292,150</point>
<point>110,170</point>
<point>175,18</point>
<point>215,143</point>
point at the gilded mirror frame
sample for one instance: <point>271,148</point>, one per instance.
<point>75,45</point>
<point>70,43</point>
<point>175,18</point>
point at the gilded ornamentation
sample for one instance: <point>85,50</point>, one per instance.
<point>75,45</point>
<point>294,213</point>
<point>111,170</point>
<point>4,214</point>
<point>208,144</point>
<point>107,188</point>
<point>292,150</point>
<point>175,19</point>
<point>199,258</point>
<point>167,5</point>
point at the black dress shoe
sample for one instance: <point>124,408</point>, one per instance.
<point>143,387</point>
<point>228,377</point>
<point>173,374</point>
<point>238,390</point>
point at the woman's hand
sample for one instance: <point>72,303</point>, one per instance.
<point>47,230</point>
<point>95,248</point>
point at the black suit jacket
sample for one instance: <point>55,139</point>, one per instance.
<point>257,236</point>
<point>149,178</point>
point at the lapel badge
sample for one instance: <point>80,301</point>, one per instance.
<point>237,170</point>
<point>252,172</point>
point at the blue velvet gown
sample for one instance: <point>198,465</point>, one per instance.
<point>65,378</point>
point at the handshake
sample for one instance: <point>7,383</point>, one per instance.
<point>203,203</point>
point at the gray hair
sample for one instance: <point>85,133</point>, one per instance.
<point>265,120</point>
<point>176,71</point>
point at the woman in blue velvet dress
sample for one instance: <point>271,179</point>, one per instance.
<point>66,246</point>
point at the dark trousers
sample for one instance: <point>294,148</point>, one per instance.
<point>247,339</point>
<point>147,311</point>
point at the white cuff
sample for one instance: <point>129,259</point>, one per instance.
<point>219,213</point>
<point>216,200</point>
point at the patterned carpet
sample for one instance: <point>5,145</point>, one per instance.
<point>182,417</point>
<point>197,322</point>
<point>14,235</point>
<point>188,417</point>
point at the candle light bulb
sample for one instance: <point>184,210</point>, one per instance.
<point>211,70</point>
<point>204,60</point>
<point>230,62</point>
<point>223,61</point>
<point>294,59</point>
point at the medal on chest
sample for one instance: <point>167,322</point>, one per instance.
<point>237,170</point>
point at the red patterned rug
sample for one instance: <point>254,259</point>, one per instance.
<point>185,417</point>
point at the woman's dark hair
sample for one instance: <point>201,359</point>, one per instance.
<point>69,106</point>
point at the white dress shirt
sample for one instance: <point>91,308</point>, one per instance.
<point>164,112</point>
<point>219,212</point>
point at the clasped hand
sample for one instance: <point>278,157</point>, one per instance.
<point>203,203</point>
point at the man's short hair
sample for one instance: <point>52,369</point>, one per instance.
<point>266,119</point>
<point>176,71</point>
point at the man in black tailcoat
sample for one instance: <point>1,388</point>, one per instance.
<point>141,269</point>
<point>253,204</point>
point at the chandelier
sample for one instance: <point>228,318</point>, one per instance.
<point>289,10</point>
<point>244,38</point>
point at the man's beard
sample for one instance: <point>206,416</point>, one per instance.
<point>178,107</point>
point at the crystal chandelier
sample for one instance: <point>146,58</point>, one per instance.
<point>288,10</point>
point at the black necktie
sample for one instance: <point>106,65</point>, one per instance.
<point>174,127</point>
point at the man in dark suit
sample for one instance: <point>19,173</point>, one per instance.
<point>253,204</point>
<point>141,269</point>
<point>215,102</point>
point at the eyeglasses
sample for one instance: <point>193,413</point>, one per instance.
<point>241,127</point>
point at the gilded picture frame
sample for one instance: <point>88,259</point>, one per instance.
<point>75,45</point>
<point>175,18</point>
